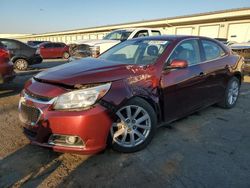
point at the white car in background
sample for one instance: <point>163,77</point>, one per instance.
<point>95,47</point>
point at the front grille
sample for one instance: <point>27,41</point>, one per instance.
<point>29,114</point>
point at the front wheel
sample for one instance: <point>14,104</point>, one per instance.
<point>135,126</point>
<point>232,93</point>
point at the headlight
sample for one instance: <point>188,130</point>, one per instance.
<point>81,98</point>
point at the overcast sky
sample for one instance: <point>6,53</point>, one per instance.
<point>39,16</point>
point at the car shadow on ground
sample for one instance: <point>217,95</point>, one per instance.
<point>7,90</point>
<point>14,87</point>
<point>20,166</point>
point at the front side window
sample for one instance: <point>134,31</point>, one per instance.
<point>143,33</point>
<point>141,52</point>
<point>187,50</point>
<point>212,50</point>
<point>118,35</point>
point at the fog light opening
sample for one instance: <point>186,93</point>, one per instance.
<point>71,139</point>
<point>66,140</point>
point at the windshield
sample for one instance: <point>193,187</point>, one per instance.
<point>118,35</point>
<point>141,52</point>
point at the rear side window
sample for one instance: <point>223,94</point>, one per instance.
<point>58,45</point>
<point>212,50</point>
<point>11,45</point>
<point>156,33</point>
<point>49,45</point>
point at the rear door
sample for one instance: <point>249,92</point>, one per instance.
<point>183,89</point>
<point>215,69</point>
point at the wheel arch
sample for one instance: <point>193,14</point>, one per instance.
<point>13,59</point>
<point>239,76</point>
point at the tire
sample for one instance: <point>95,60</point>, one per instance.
<point>231,94</point>
<point>21,64</point>
<point>66,55</point>
<point>128,136</point>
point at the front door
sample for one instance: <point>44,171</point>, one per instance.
<point>183,89</point>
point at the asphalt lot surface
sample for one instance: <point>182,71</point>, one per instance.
<point>208,149</point>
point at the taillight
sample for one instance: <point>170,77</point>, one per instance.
<point>4,53</point>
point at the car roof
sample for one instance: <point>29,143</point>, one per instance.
<point>166,37</point>
<point>136,28</point>
<point>9,39</point>
<point>173,37</point>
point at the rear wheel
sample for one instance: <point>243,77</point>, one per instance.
<point>135,126</point>
<point>231,94</point>
<point>65,55</point>
<point>21,64</point>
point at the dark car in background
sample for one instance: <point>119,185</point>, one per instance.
<point>21,54</point>
<point>6,66</point>
<point>122,96</point>
<point>52,50</point>
<point>35,43</point>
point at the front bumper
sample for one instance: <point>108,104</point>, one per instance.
<point>91,125</point>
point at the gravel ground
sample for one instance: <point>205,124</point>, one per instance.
<point>206,149</point>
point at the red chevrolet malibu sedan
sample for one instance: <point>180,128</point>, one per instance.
<point>120,98</point>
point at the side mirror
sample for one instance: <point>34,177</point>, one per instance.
<point>178,64</point>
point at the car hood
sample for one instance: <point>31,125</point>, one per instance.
<point>88,71</point>
<point>97,42</point>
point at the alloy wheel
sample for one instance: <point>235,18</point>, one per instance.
<point>21,64</point>
<point>233,92</point>
<point>132,126</point>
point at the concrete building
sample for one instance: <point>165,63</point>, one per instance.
<point>232,24</point>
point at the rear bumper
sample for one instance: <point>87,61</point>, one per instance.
<point>36,59</point>
<point>6,72</point>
